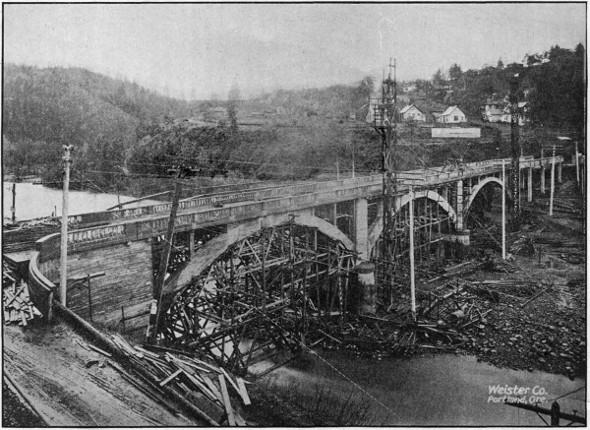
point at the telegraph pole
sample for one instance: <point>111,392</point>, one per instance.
<point>515,152</point>
<point>412,276</point>
<point>67,158</point>
<point>13,207</point>
<point>552,189</point>
<point>385,124</point>
<point>155,311</point>
<point>503,211</point>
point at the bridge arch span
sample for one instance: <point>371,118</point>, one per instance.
<point>212,250</point>
<point>478,188</point>
<point>376,229</point>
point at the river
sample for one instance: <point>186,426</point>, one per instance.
<point>36,201</point>
<point>447,389</point>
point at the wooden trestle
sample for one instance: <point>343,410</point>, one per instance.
<point>260,296</point>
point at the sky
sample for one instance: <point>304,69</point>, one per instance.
<point>199,51</point>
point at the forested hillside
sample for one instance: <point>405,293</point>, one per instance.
<point>553,83</point>
<point>119,128</point>
<point>100,116</point>
<point>336,101</point>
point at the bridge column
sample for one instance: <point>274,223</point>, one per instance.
<point>543,179</point>
<point>361,230</point>
<point>366,284</point>
<point>459,210</point>
<point>530,185</point>
<point>191,244</point>
<point>445,193</point>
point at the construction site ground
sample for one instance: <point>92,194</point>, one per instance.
<point>528,313</point>
<point>49,367</point>
<point>538,321</point>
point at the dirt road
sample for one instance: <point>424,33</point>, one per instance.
<point>50,368</point>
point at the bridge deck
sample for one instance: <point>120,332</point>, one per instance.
<point>232,207</point>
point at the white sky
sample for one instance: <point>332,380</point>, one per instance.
<point>200,49</point>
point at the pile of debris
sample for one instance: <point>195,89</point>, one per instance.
<point>17,304</point>
<point>207,387</point>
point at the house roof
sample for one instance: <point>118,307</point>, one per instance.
<point>408,107</point>
<point>450,109</point>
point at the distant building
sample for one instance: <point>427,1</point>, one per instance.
<point>411,87</point>
<point>412,113</point>
<point>493,111</point>
<point>452,115</point>
<point>523,109</point>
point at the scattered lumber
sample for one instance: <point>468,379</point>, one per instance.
<point>17,305</point>
<point>163,370</point>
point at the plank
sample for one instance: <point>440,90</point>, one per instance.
<point>231,420</point>
<point>233,384</point>
<point>82,344</point>
<point>146,352</point>
<point>213,388</point>
<point>240,421</point>
<point>171,377</point>
<point>201,387</point>
<point>100,351</point>
<point>243,392</point>
<point>215,369</point>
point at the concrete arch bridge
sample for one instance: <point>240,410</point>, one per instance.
<point>244,260</point>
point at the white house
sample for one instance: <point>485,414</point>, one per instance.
<point>493,111</point>
<point>452,115</point>
<point>523,110</point>
<point>412,113</point>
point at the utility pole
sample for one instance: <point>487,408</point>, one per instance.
<point>515,152</point>
<point>503,211</point>
<point>353,159</point>
<point>552,186</point>
<point>554,413</point>
<point>67,158</point>
<point>577,165</point>
<point>385,124</point>
<point>152,329</point>
<point>13,207</point>
<point>412,276</point>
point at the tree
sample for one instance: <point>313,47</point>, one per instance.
<point>455,73</point>
<point>500,64</point>
<point>438,79</point>
<point>232,108</point>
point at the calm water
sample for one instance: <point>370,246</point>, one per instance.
<point>431,390</point>
<point>34,201</point>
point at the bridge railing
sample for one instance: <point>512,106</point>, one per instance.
<point>265,202</point>
<point>226,198</point>
<point>418,176</point>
